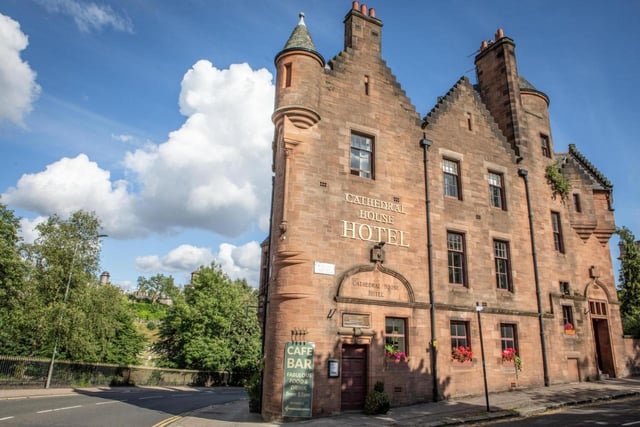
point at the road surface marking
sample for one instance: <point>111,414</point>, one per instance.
<point>631,423</point>
<point>150,397</point>
<point>109,403</point>
<point>168,421</point>
<point>5,418</point>
<point>59,409</point>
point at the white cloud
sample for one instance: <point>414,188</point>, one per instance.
<point>18,87</point>
<point>69,185</point>
<point>28,228</point>
<point>184,258</point>
<point>239,262</point>
<point>214,173</point>
<point>89,16</point>
<point>127,139</point>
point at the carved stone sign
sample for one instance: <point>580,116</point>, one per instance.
<point>374,285</point>
<point>380,217</point>
<point>353,320</point>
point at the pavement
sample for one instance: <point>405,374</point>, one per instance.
<point>465,410</point>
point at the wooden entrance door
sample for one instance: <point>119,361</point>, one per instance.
<point>603,347</point>
<point>354,376</point>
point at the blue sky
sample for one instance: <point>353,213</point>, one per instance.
<point>155,114</point>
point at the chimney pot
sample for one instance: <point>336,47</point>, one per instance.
<point>499,34</point>
<point>363,9</point>
<point>484,45</point>
<point>372,12</point>
<point>355,5</point>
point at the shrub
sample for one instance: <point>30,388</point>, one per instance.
<point>253,390</point>
<point>377,401</point>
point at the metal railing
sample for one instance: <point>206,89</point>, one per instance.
<point>32,372</point>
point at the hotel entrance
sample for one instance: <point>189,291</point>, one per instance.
<point>354,376</point>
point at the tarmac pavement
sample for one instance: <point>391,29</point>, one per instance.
<point>520,402</point>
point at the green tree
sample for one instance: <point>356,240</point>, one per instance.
<point>12,271</point>
<point>629,281</point>
<point>158,286</point>
<point>214,327</point>
<point>59,298</point>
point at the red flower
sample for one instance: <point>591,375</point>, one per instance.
<point>462,354</point>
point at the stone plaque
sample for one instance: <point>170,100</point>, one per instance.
<point>353,320</point>
<point>375,285</point>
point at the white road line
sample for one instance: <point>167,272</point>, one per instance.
<point>109,403</point>
<point>5,418</point>
<point>631,423</point>
<point>150,397</point>
<point>59,409</point>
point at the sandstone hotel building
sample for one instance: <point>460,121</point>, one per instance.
<point>397,239</point>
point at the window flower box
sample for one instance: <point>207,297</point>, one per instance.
<point>393,355</point>
<point>510,357</point>
<point>569,329</point>
<point>461,354</point>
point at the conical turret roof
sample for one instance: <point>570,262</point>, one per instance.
<point>300,39</point>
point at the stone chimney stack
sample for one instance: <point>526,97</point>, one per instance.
<point>498,80</point>
<point>362,30</point>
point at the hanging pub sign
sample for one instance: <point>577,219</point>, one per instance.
<point>297,390</point>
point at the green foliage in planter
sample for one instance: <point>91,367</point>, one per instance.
<point>557,181</point>
<point>377,401</point>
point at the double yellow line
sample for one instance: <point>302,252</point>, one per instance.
<point>165,423</point>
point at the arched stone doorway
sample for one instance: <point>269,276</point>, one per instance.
<point>598,312</point>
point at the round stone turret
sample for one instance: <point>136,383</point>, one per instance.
<point>299,68</point>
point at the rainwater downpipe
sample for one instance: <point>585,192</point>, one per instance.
<point>265,295</point>
<point>523,174</point>
<point>426,143</point>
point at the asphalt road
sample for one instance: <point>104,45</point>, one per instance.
<point>114,407</point>
<point>623,412</point>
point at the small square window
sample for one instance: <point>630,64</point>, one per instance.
<point>503,264</point>
<point>496,190</point>
<point>567,317</point>
<point>459,334</point>
<point>546,146</point>
<point>451,172</point>
<point>558,242</point>
<point>361,155</point>
<point>508,337</point>
<point>456,258</point>
<point>576,202</point>
<point>394,334</point>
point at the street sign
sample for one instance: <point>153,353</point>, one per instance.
<point>297,390</point>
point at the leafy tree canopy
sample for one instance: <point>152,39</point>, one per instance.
<point>629,281</point>
<point>53,294</point>
<point>214,327</point>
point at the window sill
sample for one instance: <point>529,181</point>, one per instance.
<point>460,365</point>
<point>505,293</point>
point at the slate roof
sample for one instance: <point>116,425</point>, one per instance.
<point>300,39</point>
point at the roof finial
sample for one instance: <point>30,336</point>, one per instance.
<point>301,22</point>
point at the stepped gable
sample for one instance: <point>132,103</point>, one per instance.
<point>340,62</point>
<point>600,181</point>
<point>451,96</point>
